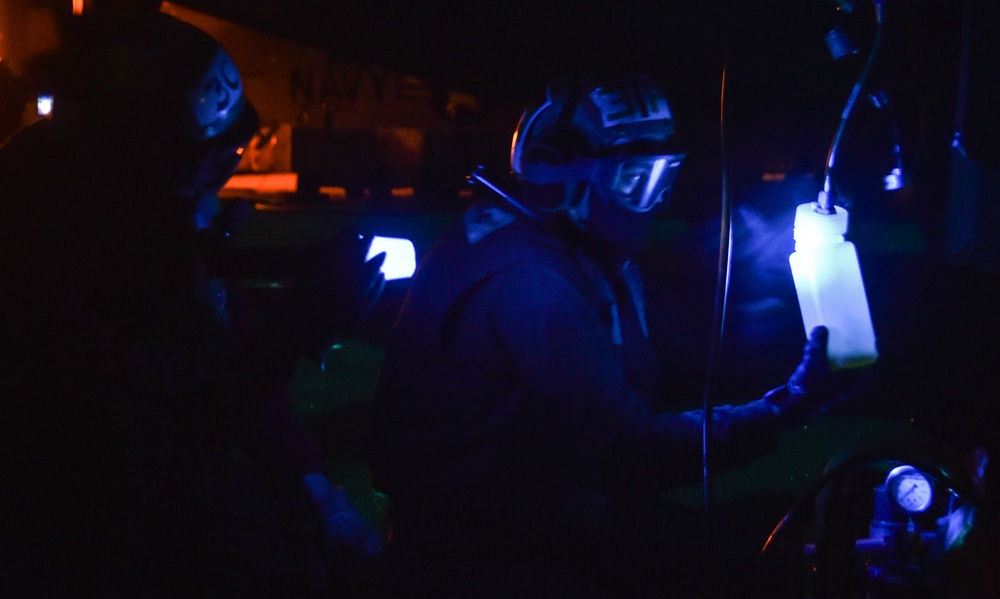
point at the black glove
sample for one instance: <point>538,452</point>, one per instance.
<point>347,533</point>
<point>331,296</point>
<point>809,390</point>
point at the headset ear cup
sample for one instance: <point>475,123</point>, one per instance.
<point>543,151</point>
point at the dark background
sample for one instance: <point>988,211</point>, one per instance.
<point>757,97</point>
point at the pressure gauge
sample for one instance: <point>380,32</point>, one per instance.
<point>910,489</point>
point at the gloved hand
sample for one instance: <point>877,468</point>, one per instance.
<point>331,296</point>
<point>349,536</point>
<point>809,390</point>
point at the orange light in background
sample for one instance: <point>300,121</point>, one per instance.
<point>77,7</point>
<point>263,183</point>
<point>334,193</point>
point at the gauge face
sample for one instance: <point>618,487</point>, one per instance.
<point>910,489</point>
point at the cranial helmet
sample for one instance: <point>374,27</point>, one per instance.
<point>614,136</point>
<point>161,81</point>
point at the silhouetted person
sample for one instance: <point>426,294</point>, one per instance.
<point>149,444</point>
<point>513,430</point>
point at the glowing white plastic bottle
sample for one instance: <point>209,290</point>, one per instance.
<point>829,286</point>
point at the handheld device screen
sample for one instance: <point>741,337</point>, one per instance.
<point>400,256</point>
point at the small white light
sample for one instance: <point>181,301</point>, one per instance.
<point>44,105</point>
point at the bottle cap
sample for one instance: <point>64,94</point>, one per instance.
<point>813,228</point>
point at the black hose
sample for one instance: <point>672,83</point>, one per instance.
<point>718,321</point>
<point>826,199</point>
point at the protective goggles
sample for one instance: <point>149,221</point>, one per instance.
<point>636,183</point>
